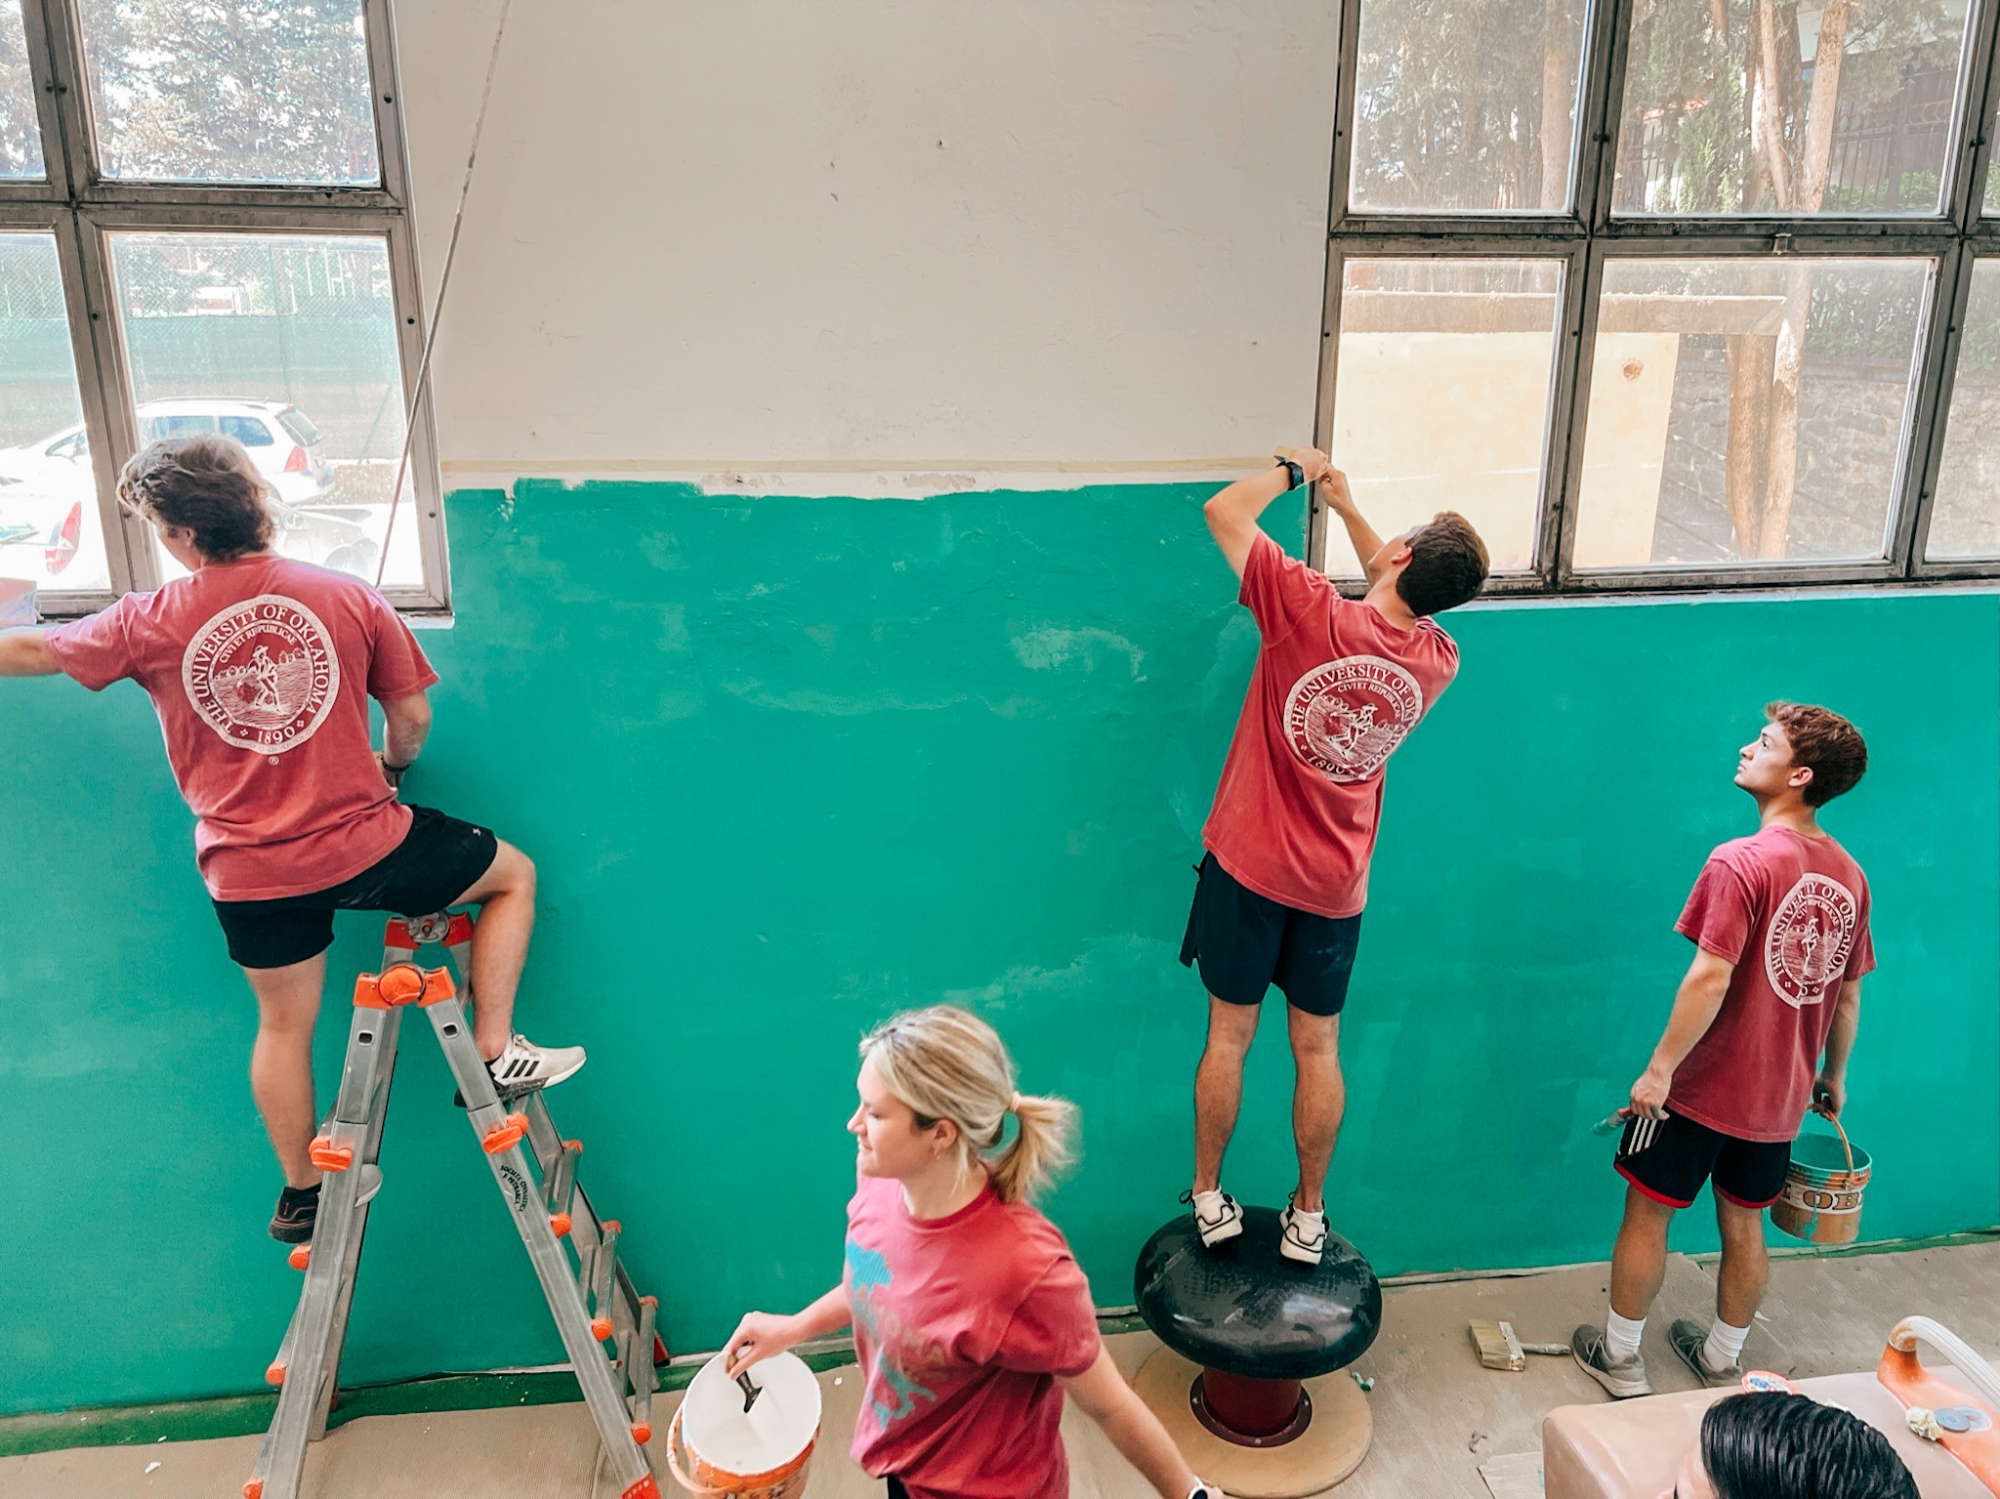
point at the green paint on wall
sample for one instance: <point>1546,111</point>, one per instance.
<point>787,765</point>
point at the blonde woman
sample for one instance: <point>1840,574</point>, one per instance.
<point>971,1319</point>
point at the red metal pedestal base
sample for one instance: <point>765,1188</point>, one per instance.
<point>1250,1412</point>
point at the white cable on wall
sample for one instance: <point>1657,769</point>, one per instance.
<point>444,284</point>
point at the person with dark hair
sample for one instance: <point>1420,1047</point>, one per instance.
<point>1761,1030</point>
<point>261,670</point>
<point>1765,1445</point>
<point>1338,685</point>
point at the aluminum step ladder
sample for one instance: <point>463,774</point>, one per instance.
<point>592,1299</point>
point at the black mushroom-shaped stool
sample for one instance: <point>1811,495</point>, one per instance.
<point>1247,1382</point>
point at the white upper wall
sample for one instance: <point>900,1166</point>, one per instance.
<point>865,236</point>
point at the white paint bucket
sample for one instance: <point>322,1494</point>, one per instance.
<point>762,1453</point>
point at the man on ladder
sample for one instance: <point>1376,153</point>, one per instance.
<point>261,669</point>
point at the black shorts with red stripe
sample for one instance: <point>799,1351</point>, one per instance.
<point>1668,1159</point>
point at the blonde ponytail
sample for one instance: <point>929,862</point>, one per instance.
<point>946,1063</point>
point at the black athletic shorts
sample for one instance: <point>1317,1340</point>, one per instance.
<point>439,859</point>
<point>1244,942</point>
<point>1669,1159</point>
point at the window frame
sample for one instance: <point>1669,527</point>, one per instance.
<point>1588,234</point>
<point>83,209</point>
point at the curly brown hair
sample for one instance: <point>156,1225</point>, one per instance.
<point>205,485</point>
<point>1447,565</point>
<point>1824,743</point>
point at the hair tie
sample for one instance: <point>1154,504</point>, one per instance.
<point>1014,1103</point>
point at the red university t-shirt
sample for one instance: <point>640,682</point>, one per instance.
<point>963,1324</point>
<point>1791,913</point>
<point>261,671</point>
<point>1336,689</point>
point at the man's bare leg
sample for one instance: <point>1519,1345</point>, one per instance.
<point>1745,1271</point>
<point>1319,1100</point>
<point>1639,1258</point>
<point>281,1076</point>
<point>1218,1086</point>
<point>505,895</point>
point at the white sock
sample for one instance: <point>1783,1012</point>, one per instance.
<point>1208,1204</point>
<point>1724,1345</point>
<point>1621,1336</point>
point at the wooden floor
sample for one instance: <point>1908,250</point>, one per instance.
<point>1439,1416</point>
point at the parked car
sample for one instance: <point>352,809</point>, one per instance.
<point>280,439</point>
<point>47,487</point>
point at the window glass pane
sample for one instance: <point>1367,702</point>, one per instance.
<point>1466,105</point>
<point>288,343</point>
<point>1441,396</point>
<point>1711,440</point>
<point>1756,106</point>
<point>1965,520</point>
<point>1993,178</point>
<point>20,132</point>
<point>50,530</point>
<point>268,91</point>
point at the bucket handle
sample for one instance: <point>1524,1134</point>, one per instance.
<point>1834,1120</point>
<point>673,1463</point>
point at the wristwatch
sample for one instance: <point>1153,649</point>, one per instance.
<point>1203,1490</point>
<point>1294,475</point>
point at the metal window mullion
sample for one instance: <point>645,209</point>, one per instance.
<point>1565,485</point>
<point>1597,110</point>
<point>424,481</point>
<point>1932,418</point>
<point>1972,132</point>
<point>1562,442</point>
<point>64,31</point>
<point>1329,365</point>
<point>107,400</point>
<point>386,100</point>
<point>1346,74</point>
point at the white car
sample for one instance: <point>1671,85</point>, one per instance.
<point>48,494</point>
<point>280,439</point>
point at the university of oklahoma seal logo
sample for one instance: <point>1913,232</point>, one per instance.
<point>1346,718</point>
<point>1810,939</point>
<point>262,674</point>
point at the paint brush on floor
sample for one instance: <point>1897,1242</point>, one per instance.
<point>1499,1348</point>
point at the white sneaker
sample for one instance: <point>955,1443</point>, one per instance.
<point>1304,1236</point>
<point>524,1066</point>
<point>1217,1218</point>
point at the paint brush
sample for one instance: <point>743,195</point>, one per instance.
<point>1611,1122</point>
<point>1499,1348</point>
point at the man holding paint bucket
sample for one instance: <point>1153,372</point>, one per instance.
<point>1339,684</point>
<point>1761,1029</point>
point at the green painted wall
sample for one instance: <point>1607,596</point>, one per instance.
<point>788,765</point>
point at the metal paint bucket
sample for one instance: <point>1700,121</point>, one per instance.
<point>1821,1202</point>
<point>732,1453</point>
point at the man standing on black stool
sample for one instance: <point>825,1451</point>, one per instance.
<point>1338,686</point>
<point>1761,1029</point>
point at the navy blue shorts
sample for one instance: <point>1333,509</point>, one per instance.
<point>1244,942</point>
<point>439,859</point>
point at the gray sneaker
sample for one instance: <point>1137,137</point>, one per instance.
<point>1688,1339</point>
<point>1623,1379</point>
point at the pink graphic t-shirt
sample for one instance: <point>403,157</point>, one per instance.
<point>1336,689</point>
<point>1791,913</point>
<point>261,671</point>
<point>963,1325</point>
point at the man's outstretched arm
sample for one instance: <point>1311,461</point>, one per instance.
<point>26,653</point>
<point>1361,536</point>
<point>1232,513</point>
